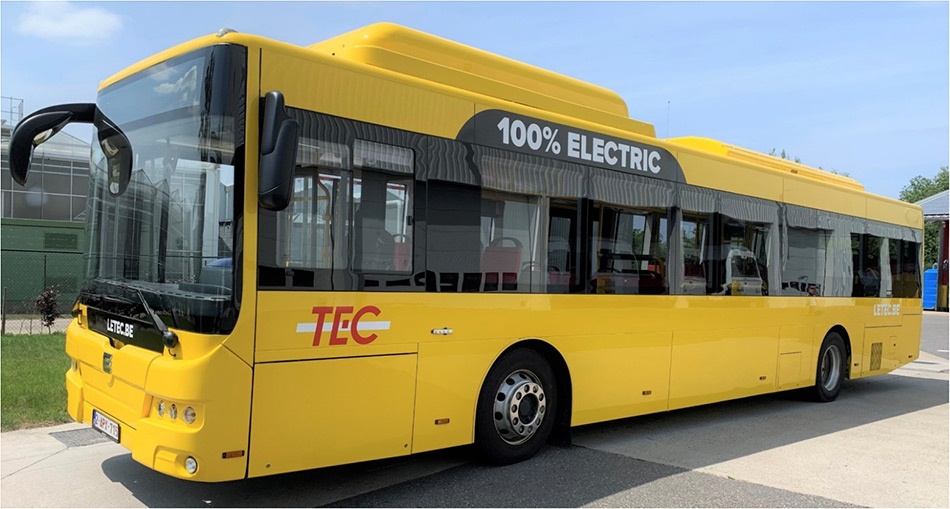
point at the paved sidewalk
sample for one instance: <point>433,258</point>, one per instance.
<point>886,445</point>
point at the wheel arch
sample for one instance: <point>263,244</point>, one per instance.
<point>561,433</point>
<point>838,328</point>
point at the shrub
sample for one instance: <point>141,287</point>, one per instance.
<point>46,306</point>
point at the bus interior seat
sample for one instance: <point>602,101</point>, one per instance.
<point>559,264</point>
<point>375,247</point>
<point>501,264</point>
<point>401,252</point>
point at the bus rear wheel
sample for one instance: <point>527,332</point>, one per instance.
<point>831,368</point>
<point>516,408</point>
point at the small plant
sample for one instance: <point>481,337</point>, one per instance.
<point>46,306</point>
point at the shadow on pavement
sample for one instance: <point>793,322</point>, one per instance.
<point>558,476</point>
<point>711,434</point>
<point>309,488</point>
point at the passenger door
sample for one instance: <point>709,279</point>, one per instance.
<point>336,347</point>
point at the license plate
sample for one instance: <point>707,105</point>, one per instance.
<point>105,425</point>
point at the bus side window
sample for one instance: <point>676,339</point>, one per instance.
<point>501,264</point>
<point>866,252</point>
<point>908,270</point>
<point>301,245</point>
<point>803,270</point>
<point>694,231</point>
<point>743,254</point>
<point>902,267</point>
<point>629,249</point>
<point>562,232</point>
<point>509,231</point>
<point>382,204</point>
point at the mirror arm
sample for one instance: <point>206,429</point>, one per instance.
<point>53,119</point>
<point>84,113</point>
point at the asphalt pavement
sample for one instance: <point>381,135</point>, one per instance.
<point>883,443</point>
<point>933,338</point>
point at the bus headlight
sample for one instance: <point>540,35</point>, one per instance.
<point>188,412</point>
<point>191,465</point>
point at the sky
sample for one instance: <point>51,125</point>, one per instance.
<point>855,87</point>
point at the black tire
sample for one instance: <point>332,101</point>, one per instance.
<point>516,408</point>
<point>831,369</point>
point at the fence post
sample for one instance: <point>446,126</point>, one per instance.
<point>3,313</point>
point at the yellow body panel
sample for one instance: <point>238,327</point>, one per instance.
<point>288,399</point>
<point>241,340</point>
<point>762,160</point>
<point>795,348</point>
<point>810,193</point>
<point>908,350</point>
<point>621,374</point>
<point>887,210</point>
<point>216,384</point>
<point>314,82</point>
<point>682,351</point>
<point>715,365</point>
<point>449,378</point>
<point>407,51</point>
<point>330,412</point>
<point>716,173</point>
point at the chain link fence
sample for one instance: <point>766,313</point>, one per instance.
<point>25,275</point>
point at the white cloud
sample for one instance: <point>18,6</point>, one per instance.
<point>67,22</point>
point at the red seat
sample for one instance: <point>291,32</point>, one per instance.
<point>401,253</point>
<point>501,263</point>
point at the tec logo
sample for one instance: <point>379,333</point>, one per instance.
<point>340,320</point>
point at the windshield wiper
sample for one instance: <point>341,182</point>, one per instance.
<point>169,338</point>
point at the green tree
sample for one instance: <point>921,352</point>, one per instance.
<point>921,187</point>
<point>783,155</point>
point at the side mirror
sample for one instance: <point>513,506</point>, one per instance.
<point>38,127</point>
<point>118,151</point>
<point>278,154</point>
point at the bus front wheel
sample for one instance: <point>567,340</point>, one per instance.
<point>831,368</point>
<point>516,408</point>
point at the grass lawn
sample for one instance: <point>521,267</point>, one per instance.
<point>32,381</point>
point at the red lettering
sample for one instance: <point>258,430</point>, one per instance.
<point>354,330</point>
<point>321,313</point>
<point>334,338</point>
<point>342,324</point>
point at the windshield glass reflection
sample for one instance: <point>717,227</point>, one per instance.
<point>171,232</point>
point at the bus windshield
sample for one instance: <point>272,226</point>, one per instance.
<point>169,236</point>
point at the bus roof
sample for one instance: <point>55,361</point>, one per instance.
<point>396,49</point>
<point>411,52</point>
<point>775,163</point>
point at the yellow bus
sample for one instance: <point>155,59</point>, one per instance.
<point>388,243</point>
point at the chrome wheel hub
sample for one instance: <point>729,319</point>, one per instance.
<point>520,407</point>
